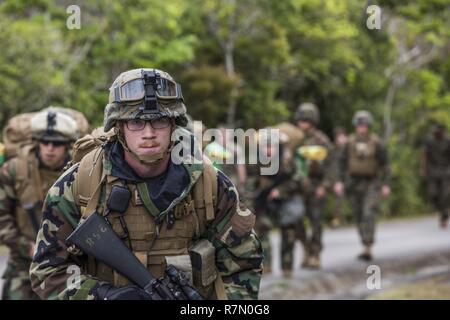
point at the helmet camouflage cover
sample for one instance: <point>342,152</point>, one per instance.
<point>128,96</point>
<point>362,117</point>
<point>308,112</point>
<point>51,125</point>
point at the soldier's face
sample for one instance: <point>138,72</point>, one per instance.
<point>341,139</point>
<point>304,125</point>
<point>148,141</point>
<point>362,129</point>
<point>52,154</point>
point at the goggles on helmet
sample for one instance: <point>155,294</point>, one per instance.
<point>150,86</point>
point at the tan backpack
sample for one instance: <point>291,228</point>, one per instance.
<point>17,133</point>
<point>294,135</point>
<point>88,153</point>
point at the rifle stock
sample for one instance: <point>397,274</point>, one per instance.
<point>96,238</point>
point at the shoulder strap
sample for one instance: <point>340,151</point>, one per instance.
<point>89,180</point>
<point>27,171</point>
<point>351,139</point>
<point>205,190</point>
<point>375,138</point>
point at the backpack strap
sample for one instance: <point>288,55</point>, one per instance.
<point>27,172</point>
<point>89,180</point>
<point>205,191</point>
<point>205,200</point>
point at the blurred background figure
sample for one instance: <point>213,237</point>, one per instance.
<point>224,153</point>
<point>364,169</point>
<point>435,169</point>
<point>277,201</point>
<point>340,139</point>
<point>314,161</point>
<point>24,182</point>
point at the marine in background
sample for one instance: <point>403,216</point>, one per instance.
<point>435,169</point>
<point>24,182</point>
<point>364,175</point>
<point>314,163</point>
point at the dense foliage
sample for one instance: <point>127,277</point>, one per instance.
<point>248,63</point>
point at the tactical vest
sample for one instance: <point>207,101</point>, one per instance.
<point>31,186</point>
<point>362,156</point>
<point>313,152</point>
<point>154,245</point>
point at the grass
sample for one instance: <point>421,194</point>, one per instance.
<point>3,250</point>
<point>435,288</point>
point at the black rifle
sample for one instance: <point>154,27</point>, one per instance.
<point>96,238</point>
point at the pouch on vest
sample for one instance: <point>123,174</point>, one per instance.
<point>362,159</point>
<point>118,199</point>
<point>203,263</point>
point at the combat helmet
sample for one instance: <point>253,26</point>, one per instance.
<point>362,117</point>
<point>308,111</point>
<point>145,94</point>
<point>53,126</point>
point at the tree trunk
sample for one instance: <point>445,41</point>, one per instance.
<point>387,114</point>
<point>229,68</point>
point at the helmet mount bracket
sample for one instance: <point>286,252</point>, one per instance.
<point>150,86</point>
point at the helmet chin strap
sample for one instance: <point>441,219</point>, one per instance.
<point>143,159</point>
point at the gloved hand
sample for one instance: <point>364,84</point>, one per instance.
<point>131,292</point>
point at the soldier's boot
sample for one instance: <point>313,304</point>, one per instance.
<point>314,261</point>
<point>305,261</point>
<point>287,272</point>
<point>366,254</point>
<point>335,223</point>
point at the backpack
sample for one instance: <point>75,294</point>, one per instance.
<point>17,132</point>
<point>88,152</point>
<point>294,136</point>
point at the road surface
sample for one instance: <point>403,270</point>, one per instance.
<point>405,250</point>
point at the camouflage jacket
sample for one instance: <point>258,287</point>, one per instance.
<point>10,234</point>
<point>319,172</point>
<point>17,190</point>
<point>238,250</point>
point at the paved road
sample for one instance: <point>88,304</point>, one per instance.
<point>396,241</point>
<point>399,242</point>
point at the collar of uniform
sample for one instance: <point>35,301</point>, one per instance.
<point>364,138</point>
<point>311,132</point>
<point>158,202</point>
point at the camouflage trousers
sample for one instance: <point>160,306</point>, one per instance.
<point>17,284</point>
<point>263,226</point>
<point>338,204</point>
<point>288,237</point>
<point>311,241</point>
<point>438,190</point>
<point>363,195</point>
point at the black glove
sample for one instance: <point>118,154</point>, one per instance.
<point>130,292</point>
